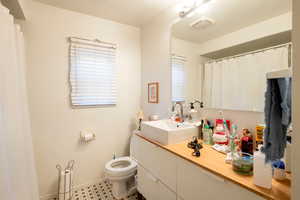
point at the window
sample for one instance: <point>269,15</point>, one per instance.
<point>92,73</point>
<point>178,78</point>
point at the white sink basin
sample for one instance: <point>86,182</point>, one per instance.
<point>167,131</point>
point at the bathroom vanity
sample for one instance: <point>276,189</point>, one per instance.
<point>170,172</point>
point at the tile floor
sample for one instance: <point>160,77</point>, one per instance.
<point>100,191</point>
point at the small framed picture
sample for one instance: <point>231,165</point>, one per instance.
<point>153,92</point>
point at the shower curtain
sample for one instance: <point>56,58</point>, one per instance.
<point>239,83</point>
<point>18,179</point>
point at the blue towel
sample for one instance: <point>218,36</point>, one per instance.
<point>277,117</point>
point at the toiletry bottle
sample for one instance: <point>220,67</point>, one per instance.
<point>221,130</point>
<point>259,135</point>
<point>262,172</point>
<point>232,137</point>
<point>207,134</point>
<point>246,144</point>
<point>210,136</point>
<point>200,132</point>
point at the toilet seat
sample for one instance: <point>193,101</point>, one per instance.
<point>121,173</point>
<point>122,166</point>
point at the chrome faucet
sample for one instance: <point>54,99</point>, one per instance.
<point>181,110</point>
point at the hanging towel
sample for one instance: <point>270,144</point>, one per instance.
<point>277,117</point>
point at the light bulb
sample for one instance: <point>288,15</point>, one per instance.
<point>193,111</point>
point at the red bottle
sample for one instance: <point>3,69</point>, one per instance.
<point>246,144</point>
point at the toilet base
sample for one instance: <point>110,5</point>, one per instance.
<point>123,188</point>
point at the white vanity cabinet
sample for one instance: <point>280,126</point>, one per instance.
<point>152,187</point>
<point>163,175</point>
<point>156,171</point>
<point>193,182</point>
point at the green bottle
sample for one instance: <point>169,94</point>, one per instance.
<point>207,135</point>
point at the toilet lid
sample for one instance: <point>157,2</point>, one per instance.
<point>120,166</point>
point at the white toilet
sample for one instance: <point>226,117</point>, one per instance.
<point>121,174</point>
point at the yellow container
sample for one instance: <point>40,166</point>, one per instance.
<point>259,136</point>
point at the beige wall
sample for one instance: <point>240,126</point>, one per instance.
<point>296,101</point>
<point>55,126</point>
<point>155,41</point>
<point>243,119</point>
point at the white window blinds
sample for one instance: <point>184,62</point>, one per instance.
<point>178,78</point>
<point>92,73</point>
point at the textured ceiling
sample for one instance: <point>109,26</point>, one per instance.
<point>230,15</point>
<point>132,12</point>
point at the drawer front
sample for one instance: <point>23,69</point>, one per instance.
<point>166,168</point>
<point>195,183</point>
<point>152,188</point>
<point>147,155</point>
<point>159,162</point>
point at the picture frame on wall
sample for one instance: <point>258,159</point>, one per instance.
<point>153,92</point>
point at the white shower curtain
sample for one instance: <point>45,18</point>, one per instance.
<point>239,83</point>
<point>18,179</point>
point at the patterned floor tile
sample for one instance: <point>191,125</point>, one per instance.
<point>100,191</point>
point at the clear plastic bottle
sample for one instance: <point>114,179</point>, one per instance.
<point>262,172</point>
<point>232,145</point>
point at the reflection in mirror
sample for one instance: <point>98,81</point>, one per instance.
<point>221,51</point>
<point>178,64</point>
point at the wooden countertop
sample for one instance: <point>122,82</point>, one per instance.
<point>214,162</point>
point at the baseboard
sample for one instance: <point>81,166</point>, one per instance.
<point>53,196</point>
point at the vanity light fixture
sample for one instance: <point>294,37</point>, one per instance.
<point>192,106</point>
<point>188,11</point>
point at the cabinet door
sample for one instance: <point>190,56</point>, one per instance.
<point>197,183</point>
<point>166,167</point>
<point>160,162</point>
<point>152,188</point>
<point>146,154</point>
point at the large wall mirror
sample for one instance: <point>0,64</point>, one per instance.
<point>220,53</point>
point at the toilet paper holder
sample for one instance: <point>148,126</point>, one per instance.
<point>86,136</point>
<point>65,181</point>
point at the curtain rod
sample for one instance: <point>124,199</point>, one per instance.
<point>283,73</point>
<point>92,41</point>
<point>289,44</point>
